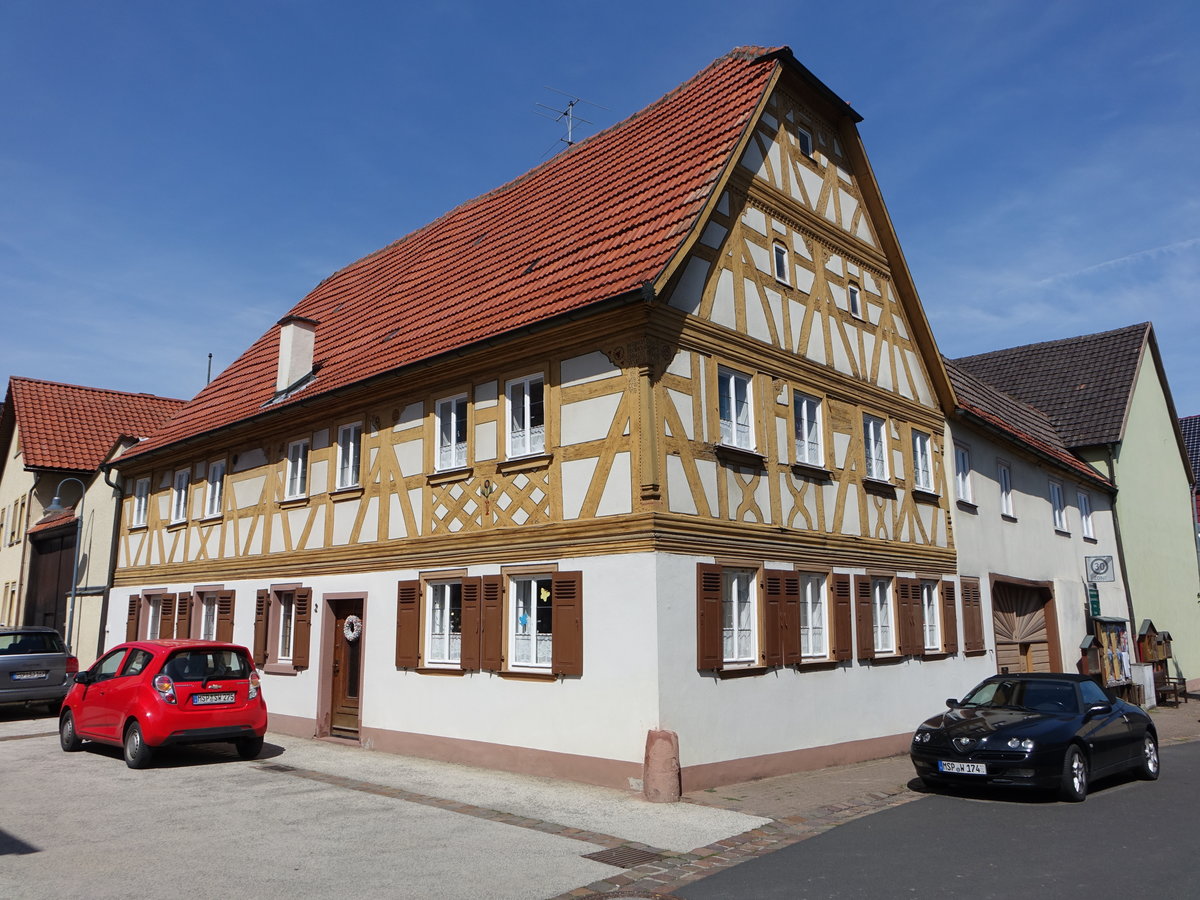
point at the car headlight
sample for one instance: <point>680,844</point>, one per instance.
<point>1025,744</point>
<point>922,737</point>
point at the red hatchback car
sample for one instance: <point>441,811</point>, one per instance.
<point>147,694</point>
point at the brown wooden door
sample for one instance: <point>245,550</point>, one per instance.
<point>1022,636</point>
<point>347,667</point>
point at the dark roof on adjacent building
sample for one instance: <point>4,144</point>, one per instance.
<point>1189,426</point>
<point>1083,384</point>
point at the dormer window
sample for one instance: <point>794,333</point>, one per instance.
<point>297,337</point>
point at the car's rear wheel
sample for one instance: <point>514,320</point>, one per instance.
<point>70,741</point>
<point>1074,786</point>
<point>137,752</point>
<point>249,748</point>
<point>1147,767</point>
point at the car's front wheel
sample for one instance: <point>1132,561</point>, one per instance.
<point>70,741</point>
<point>1147,767</point>
<point>1074,785</point>
<point>137,752</point>
<point>249,748</point>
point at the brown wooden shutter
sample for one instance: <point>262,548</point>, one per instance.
<point>303,636</point>
<point>469,624</point>
<point>771,591</point>
<point>789,623</point>
<point>866,620</point>
<point>131,623</point>
<point>907,605</point>
<point>166,618</point>
<point>491,623</point>
<point>566,645</point>
<point>225,616</point>
<point>408,624</point>
<point>949,618</point>
<point>262,605</point>
<point>710,655</point>
<point>843,618</point>
<point>972,616</point>
<point>183,617</point>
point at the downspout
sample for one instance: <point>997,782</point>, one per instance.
<point>23,572</point>
<point>1108,455</point>
<point>106,469</point>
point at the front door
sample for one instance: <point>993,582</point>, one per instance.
<point>346,682</point>
<point>1022,635</point>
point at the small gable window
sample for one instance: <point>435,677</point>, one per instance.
<point>854,300</point>
<point>781,263</point>
<point>804,140</point>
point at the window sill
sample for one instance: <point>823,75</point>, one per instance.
<point>816,665</point>
<point>142,527</point>
<point>877,486</point>
<point>351,492</point>
<point>739,456</point>
<point>1062,533</point>
<point>968,507</point>
<point>439,670</point>
<point>280,669</point>
<point>1090,540</point>
<point>522,463</point>
<point>975,652</point>
<point>1007,518</point>
<point>293,503</point>
<point>744,671</point>
<point>528,676</point>
<point>208,520</point>
<point>175,526</point>
<point>447,475</point>
<point>935,655</point>
<point>920,495</point>
<point>808,470</point>
<point>884,659</point>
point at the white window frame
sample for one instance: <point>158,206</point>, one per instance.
<point>524,599</point>
<point>141,503</point>
<point>1058,506</point>
<point>526,437</point>
<point>962,473</point>
<point>154,617</point>
<point>805,140</point>
<point>875,447</point>
<point>922,447</point>
<point>296,484</point>
<point>451,431</point>
<point>931,611</point>
<point>349,456</point>
<point>883,616</point>
<point>286,604</point>
<point>179,495</point>
<point>736,416</point>
<point>739,616</point>
<point>1004,479</point>
<point>214,489</point>
<point>854,300</point>
<point>208,616</point>
<point>808,429</point>
<point>440,649</point>
<point>1086,525</point>
<point>781,262</point>
<point>814,617</point>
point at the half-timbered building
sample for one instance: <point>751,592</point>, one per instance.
<point>644,446</point>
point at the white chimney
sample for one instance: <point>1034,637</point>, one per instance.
<point>296,338</point>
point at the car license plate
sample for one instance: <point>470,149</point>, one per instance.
<point>961,768</point>
<point>213,699</point>
<point>29,676</point>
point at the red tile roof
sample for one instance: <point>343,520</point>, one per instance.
<point>73,428</point>
<point>599,221</point>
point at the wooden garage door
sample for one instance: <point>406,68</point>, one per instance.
<point>1019,617</point>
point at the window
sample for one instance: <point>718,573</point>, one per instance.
<point>287,624</point>
<point>214,493</point>
<point>141,502</point>
<point>853,299</point>
<point>962,473</point>
<point>444,618</point>
<point>875,447</point>
<point>814,632</point>
<point>526,416</point>
<point>1004,477</point>
<point>179,496</point>
<point>1085,516</point>
<point>282,627</point>
<point>881,615</point>
<point>781,263</point>
<point>929,615</point>
<point>154,618</point>
<point>804,139</point>
<point>208,617</point>
<point>922,462</point>
<point>733,389</point>
<point>137,661</point>
<point>739,621</point>
<point>531,622</point>
<point>452,433</point>
<point>808,429</point>
<point>297,470</point>
<point>1059,506</point>
<point>349,455</point>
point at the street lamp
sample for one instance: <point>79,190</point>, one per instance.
<point>54,507</point>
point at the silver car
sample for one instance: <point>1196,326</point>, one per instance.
<point>35,666</point>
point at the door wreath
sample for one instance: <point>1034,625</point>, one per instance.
<point>353,628</point>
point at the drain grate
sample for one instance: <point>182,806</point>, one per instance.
<point>624,857</point>
<point>278,767</point>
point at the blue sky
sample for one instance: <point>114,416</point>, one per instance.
<point>174,176</point>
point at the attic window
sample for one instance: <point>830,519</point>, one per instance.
<point>781,263</point>
<point>804,139</point>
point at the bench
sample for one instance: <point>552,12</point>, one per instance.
<point>1166,686</point>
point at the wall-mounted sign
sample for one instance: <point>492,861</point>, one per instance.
<point>1094,599</point>
<point>1099,568</point>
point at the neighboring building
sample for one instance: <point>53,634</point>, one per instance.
<point>648,440</point>
<point>1108,398</point>
<point>50,432</point>
<point>1189,427</point>
<point>1036,542</point>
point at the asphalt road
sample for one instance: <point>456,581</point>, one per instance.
<point>1128,839</point>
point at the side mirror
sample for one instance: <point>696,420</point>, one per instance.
<point>951,702</point>
<point>1098,709</point>
<point>84,677</point>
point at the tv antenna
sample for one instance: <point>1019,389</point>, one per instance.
<point>567,114</point>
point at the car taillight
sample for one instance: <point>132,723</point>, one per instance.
<point>72,665</point>
<point>254,682</point>
<point>165,687</point>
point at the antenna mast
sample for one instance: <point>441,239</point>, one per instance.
<point>568,114</point>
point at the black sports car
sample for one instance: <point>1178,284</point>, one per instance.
<point>1038,730</point>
